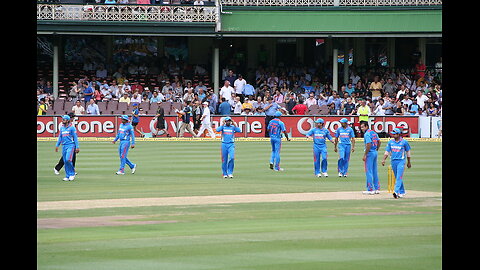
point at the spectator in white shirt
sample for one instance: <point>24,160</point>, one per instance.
<point>239,85</point>
<point>136,98</point>
<point>310,100</point>
<point>226,91</point>
<point>78,109</point>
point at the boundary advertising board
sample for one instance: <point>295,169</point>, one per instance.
<point>251,126</point>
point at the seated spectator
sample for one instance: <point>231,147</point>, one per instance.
<point>348,107</point>
<point>258,103</point>
<point>259,112</point>
<point>101,72</point>
<point>349,89</point>
<point>136,98</point>
<point>92,108</point>
<point>125,98</point>
<point>431,109</point>
<point>97,95</point>
<point>278,97</point>
<point>126,87</point>
<point>166,87</point>
<point>198,3</point>
<point>388,106</point>
<point>311,100</point>
<point>78,109</point>
<point>200,86</point>
<point>146,92</point>
<point>247,104</point>
<point>398,109</point>
<point>247,111</point>
<point>189,95</point>
<point>155,98</point>
<point>201,94</point>
<point>332,110</point>
<point>414,107</point>
<point>136,87</point>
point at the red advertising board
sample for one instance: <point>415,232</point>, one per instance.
<point>251,126</point>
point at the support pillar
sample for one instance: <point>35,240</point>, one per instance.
<point>216,69</point>
<point>391,51</point>
<point>55,68</point>
<point>335,70</point>
<point>346,60</point>
<point>422,46</point>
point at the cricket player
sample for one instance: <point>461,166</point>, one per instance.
<point>228,129</point>
<point>399,149</point>
<point>127,139</point>
<point>60,163</point>
<point>372,144</point>
<point>136,118</point>
<point>67,137</point>
<point>320,135</point>
<point>206,122</point>
<point>345,140</point>
<point>275,129</point>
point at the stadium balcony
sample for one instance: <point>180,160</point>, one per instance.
<point>331,3</point>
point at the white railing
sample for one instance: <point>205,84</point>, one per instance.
<point>126,13</point>
<point>331,2</point>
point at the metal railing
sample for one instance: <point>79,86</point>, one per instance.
<point>331,2</point>
<point>157,13</point>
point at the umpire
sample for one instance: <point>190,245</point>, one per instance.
<point>60,163</point>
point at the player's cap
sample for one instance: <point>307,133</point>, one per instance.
<point>205,103</point>
<point>124,117</point>
<point>228,118</point>
<point>319,120</point>
<point>395,131</point>
<point>278,114</point>
<point>135,104</point>
<point>71,114</point>
<point>343,120</point>
<point>66,117</point>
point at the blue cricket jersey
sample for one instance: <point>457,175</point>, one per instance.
<point>319,136</point>
<point>67,136</point>
<point>344,135</point>
<point>135,119</point>
<point>397,149</point>
<point>125,133</point>
<point>372,138</point>
<point>228,133</point>
<point>275,128</point>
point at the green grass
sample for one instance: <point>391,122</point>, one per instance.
<point>356,234</point>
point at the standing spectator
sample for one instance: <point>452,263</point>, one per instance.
<point>136,119</point>
<point>212,100</point>
<point>278,97</point>
<point>363,111</point>
<point>389,106</point>
<point>375,88</point>
<point>300,108</point>
<point>197,112</point>
<point>224,108</point>
<point>97,95</point>
<point>74,92</point>
<point>92,108</point>
<point>360,90</point>
<point>239,86</point>
<point>389,87</point>
<point>226,91</point>
<point>78,109</point>
<point>87,93</point>
<point>378,109</point>
<point>42,108</point>
<point>420,69</point>
<point>290,103</point>
<point>230,78</point>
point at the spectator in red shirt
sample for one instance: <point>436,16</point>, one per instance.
<point>420,68</point>
<point>137,87</point>
<point>300,108</point>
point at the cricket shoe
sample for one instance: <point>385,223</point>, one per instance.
<point>55,171</point>
<point>368,192</point>
<point>225,176</point>
<point>134,168</point>
<point>395,195</point>
<point>401,195</point>
<point>377,191</point>
<point>230,175</point>
<point>271,166</point>
<point>345,175</point>
<point>279,170</point>
<point>66,179</point>
<point>120,173</point>
<point>71,178</point>
<point>318,175</point>
<point>325,174</point>
<point>340,174</point>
